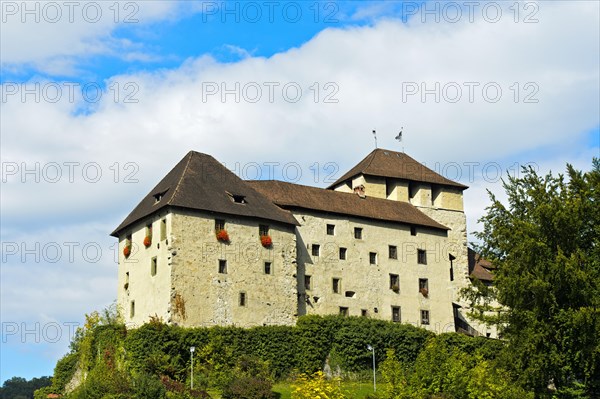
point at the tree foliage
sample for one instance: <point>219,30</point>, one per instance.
<point>454,367</point>
<point>545,243</point>
<point>18,387</point>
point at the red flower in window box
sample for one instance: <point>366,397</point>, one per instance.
<point>266,241</point>
<point>147,241</point>
<point>222,236</point>
<point>127,251</point>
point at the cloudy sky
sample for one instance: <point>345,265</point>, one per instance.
<point>101,99</point>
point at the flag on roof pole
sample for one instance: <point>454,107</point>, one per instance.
<point>399,136</point>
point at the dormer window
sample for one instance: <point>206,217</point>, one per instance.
<point>159,196</point>
<point>237,198</point>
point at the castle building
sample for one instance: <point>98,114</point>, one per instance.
<point>387,240</point>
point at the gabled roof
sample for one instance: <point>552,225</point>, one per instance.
<point>386,163</point>
<point>200,182</point>
<point>479,268</point>
<point>288,195</point>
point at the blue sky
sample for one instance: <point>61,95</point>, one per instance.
<point>479,89</point>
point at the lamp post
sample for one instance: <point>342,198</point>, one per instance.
<point>192,349</point>
<point>370,347</point>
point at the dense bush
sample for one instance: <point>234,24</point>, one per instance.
<point>450,366</point>
<point>154,360</point>
<point>250,379</point>
<point>317,386</point>
<point>247,387</point>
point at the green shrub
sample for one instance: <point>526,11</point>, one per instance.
<point>148,386</point>
<point>247,387</point>
<point>250,379</point>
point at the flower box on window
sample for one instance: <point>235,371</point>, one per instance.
<point>147,241</point>
<point>266,241</point>
<point>222,236</point>
<point>127,250</point>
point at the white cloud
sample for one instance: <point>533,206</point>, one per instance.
<point>53,37</point>
<point>366,68</point>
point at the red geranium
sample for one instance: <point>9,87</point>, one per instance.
<point>127,250</point>
<point>266,241</point>
<point>223,236</point>
<point>147,241</point>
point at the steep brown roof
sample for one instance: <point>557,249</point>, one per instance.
<point>386,163</point>
<point>290,195</point>
<point>479,268</point>
<point>200,182</point>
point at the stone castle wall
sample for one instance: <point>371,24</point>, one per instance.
<point>365,287</point>
<point>202,296</point>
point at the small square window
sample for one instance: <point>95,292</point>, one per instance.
<point>219,225</point>
<point>393,252</point>
<point>307,283</point>
<point>343,253</point>
<point>421,257</point>
<point>396,314</point>
<point>358,233</point>
<point>373,258</point>
<point>395,283</point>
<point>413,231</point>
<point>330,229</point>
<point>222,266</point>
<point>343,311</point>
<point>153,266</point>
<point>336,285</point>
<point>163,229</point>
<point>424,287</point>
<point>268,268</point>
<point>364,313</point>
<point>263,230</point>
<point>149,230</point>
<point>316,249</point>
<point>425,317</point>
<point>243,299</point>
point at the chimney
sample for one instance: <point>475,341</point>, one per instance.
<point>360,191</point>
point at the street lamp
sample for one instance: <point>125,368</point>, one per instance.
<point>192,349</point>
<point>369,347</point>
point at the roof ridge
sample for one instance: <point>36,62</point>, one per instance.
<point>372,157</point>
<point>183,173</point>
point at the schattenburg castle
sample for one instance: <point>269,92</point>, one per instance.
<point>387,241</point>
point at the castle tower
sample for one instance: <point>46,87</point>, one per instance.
<point>396,176</point>
<point>177,268</point>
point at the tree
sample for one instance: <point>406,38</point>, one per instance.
<point>18,387</point>
<point>546,246</point>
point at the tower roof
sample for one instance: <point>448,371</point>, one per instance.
<point>200,182</point>
<point>289,195</point>
<point>386,163</point>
